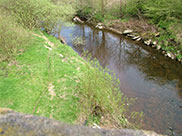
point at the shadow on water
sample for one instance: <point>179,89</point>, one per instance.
<point>144,73</point>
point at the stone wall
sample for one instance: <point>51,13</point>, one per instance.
<point>16,124</point>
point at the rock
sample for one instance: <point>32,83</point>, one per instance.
<point>128,31</point>
<point>148,42</point>
<point>139,39</point>
<point>130,35</point>
<point>180,105</point>
<point>170,55</point>
<point>61,55</point>
<point>5,111</point>
<point>154,43</point>
<point>158,47</point>
<point>157,34</point>
<point>62,39</point>
<point>136,37</point>
<point>100,26</point>
<point>96,126</point>
<point>77,19</point>
<point>16,124</point>
<point>153,46</point>
<point>114,30</point>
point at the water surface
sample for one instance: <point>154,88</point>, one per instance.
<point>144,73</point>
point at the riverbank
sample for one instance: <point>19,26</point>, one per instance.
<point>41,76</point>
<point>164,37</point>
<point>49,79</point>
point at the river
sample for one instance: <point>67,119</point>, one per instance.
<point>145,74</point>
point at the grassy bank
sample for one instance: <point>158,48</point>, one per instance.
<point>157,22</point>
<point>41,81</point>
<point>50,79</point>
<point>41,76</point>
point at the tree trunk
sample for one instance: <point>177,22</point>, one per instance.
<point>102,7</point>
<point>121,8</point>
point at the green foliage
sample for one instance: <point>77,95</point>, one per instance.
<point>37,13</point>
<point>166,15</point>
<point>61,85</point>
<point>28,85</point>
<point>98,17</point>
<point>13,37</point>
<point>163,9</point>
<point>100,96</point>
<point>16,16</point>
<point>133,7</point>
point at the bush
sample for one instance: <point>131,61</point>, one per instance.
<point>12,37</point>
<point>133,7</point>
<point>163,9</point>
<point>37,13</point>
<point>100,96</point>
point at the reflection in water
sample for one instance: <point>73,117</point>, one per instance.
<point>154,80</point>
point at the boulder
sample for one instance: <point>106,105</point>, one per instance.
<point>157,34</point>
<point>170,55</point>
<point>77,19</point>
<point>158,47</point>
<point>154,43</point>
<point>148,42</point>
<point>136,37</point>
<point>139,39</point>
<point>128,31</point>
<point>100,26</point>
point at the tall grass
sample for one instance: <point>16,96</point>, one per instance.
<point>37,13</point>
<point>12,37</point>
<point>100,96</point>
<point>18,17</point>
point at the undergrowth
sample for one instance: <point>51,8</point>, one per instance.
<point>165,15</point>
<point>40,76</point>
<point>13,38</point>
<point>100,96</point>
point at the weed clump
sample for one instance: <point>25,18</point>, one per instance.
<point>100,97</point>
<point>37,13</point>
<point>13,38</point>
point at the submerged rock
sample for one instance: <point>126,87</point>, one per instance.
<point>15,124</point>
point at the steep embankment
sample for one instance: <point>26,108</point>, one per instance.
<point>42,80</point>
<point>49,79</point>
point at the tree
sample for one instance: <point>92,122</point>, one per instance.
<point>102,7</point>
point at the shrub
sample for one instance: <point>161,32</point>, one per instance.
<point>159,10</point>
<point>100,96</point>
<point>37,13</point>
<point>12,37</point>
<point>133,7</point>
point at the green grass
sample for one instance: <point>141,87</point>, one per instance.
<point>59,84</point>
<point>24,87</point>
<point>164,15</point>
<point>40,76</point>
